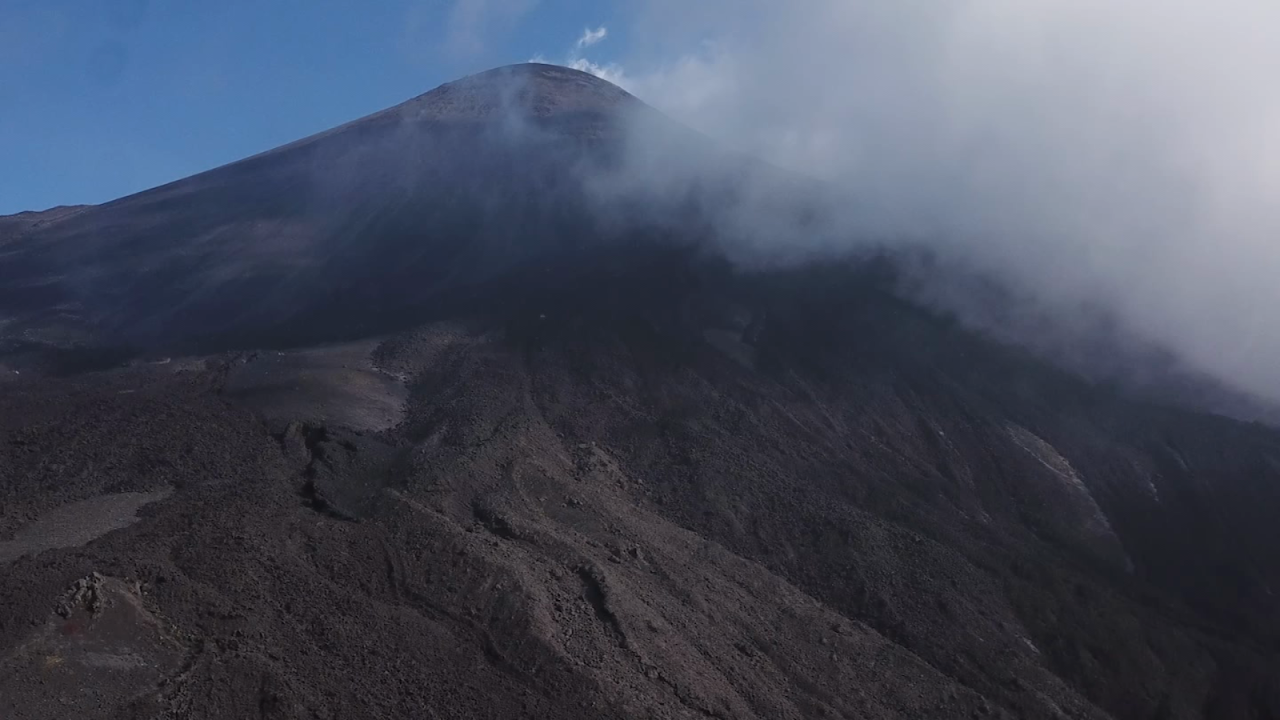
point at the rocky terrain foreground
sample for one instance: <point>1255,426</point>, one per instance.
<point>385,465</point>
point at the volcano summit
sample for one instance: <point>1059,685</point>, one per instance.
<point>440,413</point>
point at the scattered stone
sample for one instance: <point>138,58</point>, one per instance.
<point>86,594</point>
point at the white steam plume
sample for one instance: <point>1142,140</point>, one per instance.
<point>1120,154</point>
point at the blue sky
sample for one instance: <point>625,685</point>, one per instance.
<point>102,99</point>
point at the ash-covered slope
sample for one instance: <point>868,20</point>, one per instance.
<point>660,490</point>
<point>343,233</point>
<point>600,474</point>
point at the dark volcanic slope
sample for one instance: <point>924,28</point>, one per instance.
<point>374,220</point>
<point>616,480</point>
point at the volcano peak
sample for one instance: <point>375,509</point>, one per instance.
<point>529,89</point>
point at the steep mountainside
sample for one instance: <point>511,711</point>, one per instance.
<point>438,460</point>
<point>372,222</point>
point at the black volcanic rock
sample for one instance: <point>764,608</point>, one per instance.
<point>504,458</point>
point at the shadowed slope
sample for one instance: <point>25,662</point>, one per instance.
<point>337,235</point>
<point>578,465</point>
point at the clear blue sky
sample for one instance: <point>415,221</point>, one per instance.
<point>103,98</point>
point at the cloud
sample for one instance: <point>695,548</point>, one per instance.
<point>1120,156</point>
<point>591,37</point>
<point>472,23</point>
<point>611,72</point>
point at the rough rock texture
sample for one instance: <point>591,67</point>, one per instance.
<point>584,515</point>
<point>501,460</point>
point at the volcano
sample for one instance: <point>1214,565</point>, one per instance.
<point>381,218</point>
<point>438,414</point>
